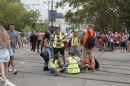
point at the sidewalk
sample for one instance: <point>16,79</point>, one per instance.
<point>114,71</point>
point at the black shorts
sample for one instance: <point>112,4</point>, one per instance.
<point>57,50</point>
<point>116,44</point>
<point>123,44</point>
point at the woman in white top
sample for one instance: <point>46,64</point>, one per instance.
<point>4,53</point>
<point>46,48</point>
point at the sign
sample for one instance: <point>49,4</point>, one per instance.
<point>52,20</point>
<point>67,29</point>
<point>53,13</point>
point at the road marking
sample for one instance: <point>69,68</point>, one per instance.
<point>22,62</point>
<point>8,82</point>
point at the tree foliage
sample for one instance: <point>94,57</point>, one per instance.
<point>43,27</point>
<point>13,11</point>
<point>101,13</point>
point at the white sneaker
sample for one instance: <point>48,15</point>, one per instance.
<point>34,53</point>
<point>9,70</point>
<point>30,51</point>
<point>15,71</point>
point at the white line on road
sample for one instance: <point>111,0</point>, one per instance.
<point>22,62</point>
<point>8,82</point>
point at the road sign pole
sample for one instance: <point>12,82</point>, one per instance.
<point>52,10</point>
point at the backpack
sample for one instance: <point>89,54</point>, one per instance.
<point>96,64</point>
<point>116,39</point>
<point>90,42</point>
<point>104,38</point>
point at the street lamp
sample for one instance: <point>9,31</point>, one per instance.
<point>48,9</point>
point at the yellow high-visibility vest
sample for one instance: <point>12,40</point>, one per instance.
<point>75,41</point>
<point>73,66</point>
<point>54,65</point>
<point>55,40</point>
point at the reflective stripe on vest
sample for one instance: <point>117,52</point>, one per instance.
<point>55,40</point>
<point>75,41</point>
<point>54,65</point>
<point>73,66</point>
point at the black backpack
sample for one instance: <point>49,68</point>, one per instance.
<point>96,64</point>
<point>90,41</point>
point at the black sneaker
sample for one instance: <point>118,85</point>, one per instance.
<point>46,69</point>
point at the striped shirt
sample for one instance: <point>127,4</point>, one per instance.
<point>58,43</point>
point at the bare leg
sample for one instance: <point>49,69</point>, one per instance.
<point>3,72</point>
<point>6,68</point>
<point>11,61</point>
<point>63,58</point>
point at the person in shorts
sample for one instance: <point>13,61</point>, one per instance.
<point>123,42</point>
<point>116,42</point>
<point>58,43</point>
<point>14,38</point>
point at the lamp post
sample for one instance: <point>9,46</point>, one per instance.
<point>48,9</point>
<point>52,9</point>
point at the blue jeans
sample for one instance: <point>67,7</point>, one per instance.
<point>48,50</point>
<point>52,70</point>
<point>52,52</point>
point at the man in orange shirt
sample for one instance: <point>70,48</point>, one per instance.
<point>88,51</point>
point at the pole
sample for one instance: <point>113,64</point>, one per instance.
<point>52,9</point>
<point>48,12</point>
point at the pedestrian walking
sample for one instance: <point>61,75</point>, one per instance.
<point>14,38</point>
<point>4,53</point>
<point>33,41</point>
<point>39,39</point>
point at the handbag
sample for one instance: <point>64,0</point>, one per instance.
<point>45,56</point>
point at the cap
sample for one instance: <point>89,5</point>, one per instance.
<point>71,53</point>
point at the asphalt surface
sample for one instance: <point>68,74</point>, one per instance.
<point>114,71</point>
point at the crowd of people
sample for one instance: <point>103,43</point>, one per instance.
<point>56,44</point>
<point>53,45</point>
<point>113,42</point>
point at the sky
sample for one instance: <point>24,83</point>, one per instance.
<point>43,7</point>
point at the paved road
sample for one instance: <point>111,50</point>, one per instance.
<point>114,71</point>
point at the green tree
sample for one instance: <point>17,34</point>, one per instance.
<point>101,13</point>
<point>13,11</point>
<point>43,27</point>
